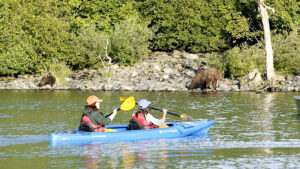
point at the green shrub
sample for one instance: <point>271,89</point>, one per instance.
<point>287,53</point>
<point>104,14</point>
<point>216,60</point>
<point>126,43</point>
<point>91,47</point>
<point>32,36</point>
<point>129,41</point>
<point>239,61</point>
<point>35,33</point>
<point>60,71</point>
<point>286,16</point>
<point>17,59</point>
<point>193,25</point>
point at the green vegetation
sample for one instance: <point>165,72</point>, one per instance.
<point>60,71</point>
<point>239,61</point>
<point>287,53</point>
<point>129,41</point>
<point>82,34</point>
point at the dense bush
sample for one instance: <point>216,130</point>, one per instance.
<point>125,44</point>
<point>239,61</point>
<point>193,25</point>
<point>32,37</point>
<point>104,14</point>
<point>35,33</point>
<point>287,53</point>
<point>91,47</point>
<point>286,16</point>
<point>129,41</point>
<point>60,71</point>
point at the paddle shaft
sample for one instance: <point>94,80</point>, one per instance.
<point>154,108</point>
<point>112,113</point>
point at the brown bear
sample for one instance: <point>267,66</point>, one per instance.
<point>47,80</point>
<point>205,77</point>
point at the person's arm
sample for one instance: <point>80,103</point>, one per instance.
<point>100,119</point>
<point>154,120</point>
<point>112,116</point>
<point>163,118</point>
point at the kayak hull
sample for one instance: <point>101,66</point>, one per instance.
<point>176,129</point>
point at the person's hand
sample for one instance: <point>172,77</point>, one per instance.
<point>164,115</point>
<point>164,111</point>
<point>112,116</point>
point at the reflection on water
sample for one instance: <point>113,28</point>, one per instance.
<point>267,121</point>
<point>251,131</point>
<point>298,116</point>
<point>132,154</point>
<point>91,156</point>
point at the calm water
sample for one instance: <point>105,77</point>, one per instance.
<point>251,131</point>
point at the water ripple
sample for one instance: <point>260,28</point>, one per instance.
<point>22,139</point>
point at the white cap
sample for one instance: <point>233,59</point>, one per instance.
<point>143,104</point>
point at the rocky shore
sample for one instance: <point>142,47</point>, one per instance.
<point>159,72</point>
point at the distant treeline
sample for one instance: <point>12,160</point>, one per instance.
<point>83,33</point>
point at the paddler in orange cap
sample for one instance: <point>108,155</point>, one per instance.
<point>92,119</point>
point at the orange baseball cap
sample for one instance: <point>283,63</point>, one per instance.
<point>91,100</point>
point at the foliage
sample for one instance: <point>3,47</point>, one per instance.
<point>32,37</point>
<point>239,61</point>
<point>129,41</point>
<point>194,26</point>
<point>286,16</point>
<point>60,71</point>
<point>126,43</point>
<point>91,46</point>
<point>104,14</point>
<point>34,34</point>
<point>16,60</point>
<point>287,53</point>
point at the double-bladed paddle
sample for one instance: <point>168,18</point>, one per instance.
<point>128,104</point>
<point>182,116</point>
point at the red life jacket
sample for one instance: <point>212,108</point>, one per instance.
<point>142,120</point>
<point>97,128</point>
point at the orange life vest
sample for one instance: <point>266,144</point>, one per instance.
<point>142,120</point>
<point>96,128</point>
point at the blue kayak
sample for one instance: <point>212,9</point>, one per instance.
<point>120,133</point>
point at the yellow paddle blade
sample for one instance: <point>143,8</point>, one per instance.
<point>183,116</point>
<point>128,104</point>
<point>123,98</point>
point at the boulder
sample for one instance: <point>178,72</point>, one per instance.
<point>253,81</point>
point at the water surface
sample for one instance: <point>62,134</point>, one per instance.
<point>251,131</point>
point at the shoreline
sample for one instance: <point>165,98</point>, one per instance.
<point>160,71</point>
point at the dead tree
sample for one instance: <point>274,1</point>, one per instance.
<point>263,11</point>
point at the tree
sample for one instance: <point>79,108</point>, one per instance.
<point>262,8</point>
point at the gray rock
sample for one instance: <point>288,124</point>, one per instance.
<point>252,81</point>
<point>158,72</point>
<point>190,56</point>
<point>168,70</point>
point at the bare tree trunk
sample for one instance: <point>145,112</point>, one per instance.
<point>267,39</point>
<point>105,64</point>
